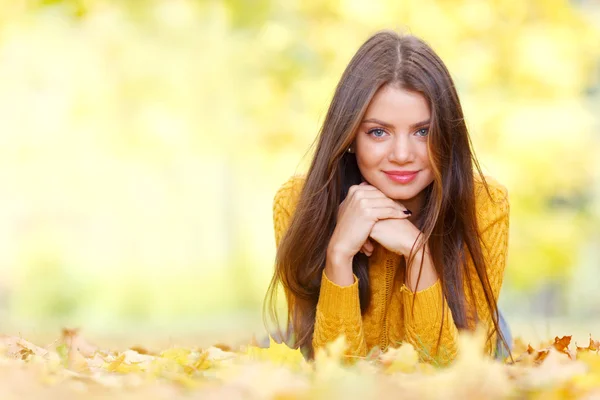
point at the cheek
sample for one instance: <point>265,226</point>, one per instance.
<point>366,160</point>
<point>423,154</point>
<point>426,164</point>
<point>367,155</point>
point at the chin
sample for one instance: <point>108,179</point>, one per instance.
<point>401,196</point>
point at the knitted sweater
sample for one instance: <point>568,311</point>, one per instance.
<point>388,321</point>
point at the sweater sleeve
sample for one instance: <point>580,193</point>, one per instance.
<point>338,313</point>
<point>338,308</point>
<point>427,319</point>
<point>423,323</point>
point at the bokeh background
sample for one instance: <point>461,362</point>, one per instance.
<point>142,142</point>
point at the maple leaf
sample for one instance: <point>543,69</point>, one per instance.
<point>541,355</point>
<point>532,355</point>
<point>562,345</point>
<point>553,371</point>
<point>594,345</point>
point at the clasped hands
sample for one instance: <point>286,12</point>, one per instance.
<point>366,213</point>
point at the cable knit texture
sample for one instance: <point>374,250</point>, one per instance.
<point>391,317</point>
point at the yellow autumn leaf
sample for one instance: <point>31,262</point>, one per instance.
<point>330,360</point>
<point>276,353</point>
<point>202,363</point>
<point>121,366</point>
<point>402,359</point>
<point>178,355</point>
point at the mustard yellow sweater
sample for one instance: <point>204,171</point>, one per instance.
<point>388,321</point>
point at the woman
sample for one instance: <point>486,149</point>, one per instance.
<point>394,234</point>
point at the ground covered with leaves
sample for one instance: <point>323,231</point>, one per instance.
<point>72,368</point>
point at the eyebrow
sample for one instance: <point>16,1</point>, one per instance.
<point>387,125</point>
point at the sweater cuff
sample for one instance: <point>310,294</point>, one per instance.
<point>423,320</point>
<point>428,304</point>
<point>339,301</point>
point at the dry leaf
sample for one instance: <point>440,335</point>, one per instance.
<point>282,373</point>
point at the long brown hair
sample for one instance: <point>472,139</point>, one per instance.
<point>448,223</point>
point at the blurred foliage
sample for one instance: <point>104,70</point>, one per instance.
<point>144,140</point>
<point>71,367</point>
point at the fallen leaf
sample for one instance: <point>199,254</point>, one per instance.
<point>277,353</point>
<point>401,359</point>
<point>562,344</point>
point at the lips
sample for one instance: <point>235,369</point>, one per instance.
<point>401,176</point>
<point>401,173</point>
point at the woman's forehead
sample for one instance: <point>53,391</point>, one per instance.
<point>395,106</point>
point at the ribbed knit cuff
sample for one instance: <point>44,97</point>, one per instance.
<point>428,304</point>
<point>339,301</point>
<point>423,326</point>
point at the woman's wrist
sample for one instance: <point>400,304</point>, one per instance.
<point>339,254</point>
<point>338,267</point>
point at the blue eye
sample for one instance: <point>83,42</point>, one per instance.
<point>423,132</point>
<point>379,130</point>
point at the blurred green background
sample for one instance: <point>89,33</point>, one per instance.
<point>142,142</point>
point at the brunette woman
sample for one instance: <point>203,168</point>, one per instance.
<point>394,234</point>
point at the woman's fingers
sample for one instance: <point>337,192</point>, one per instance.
<point>361,188</point>
<point>366,252</point>
<point>386,213</point>
<point>379,208</point>
<point>364,192</point>
<point>382,202</point>
<point>358,213</point>
<point>368,246</point>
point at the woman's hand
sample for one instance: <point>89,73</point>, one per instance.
<point>396,235</point>
<point>399,236</point>
<point>364,206</point>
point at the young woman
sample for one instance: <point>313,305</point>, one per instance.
<point>394,234</point>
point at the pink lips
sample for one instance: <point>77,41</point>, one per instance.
<point>401,176</point>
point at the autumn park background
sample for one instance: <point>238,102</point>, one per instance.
<point>142,142</point>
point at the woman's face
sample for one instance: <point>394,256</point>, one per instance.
<point>391,144</point>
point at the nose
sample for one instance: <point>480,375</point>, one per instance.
<point>401,151</point>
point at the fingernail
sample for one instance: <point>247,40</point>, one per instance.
<point>407,212</point>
